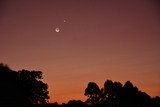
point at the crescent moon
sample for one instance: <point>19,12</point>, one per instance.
<point>57,30</point>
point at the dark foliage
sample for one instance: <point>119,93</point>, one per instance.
<point>22,88</point>
<point>93,92</point>
<point>75,103</point>
<point>25,89</point>
<point>34,89</point>
<point>114,94</point>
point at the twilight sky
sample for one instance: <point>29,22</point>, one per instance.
<point>99,40</point>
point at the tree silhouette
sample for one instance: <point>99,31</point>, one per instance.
<point>111,89</point>
<point>25,88</point>
<point>10,89</point>
<point>111,92</point>
<point>156,101</point>
<point>114,94</point>
<point>129,94</point>
<point>35,90</point>
<point>93,92</point>
<point>21,88</point>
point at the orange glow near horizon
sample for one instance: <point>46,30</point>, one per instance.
<point>99,40</point>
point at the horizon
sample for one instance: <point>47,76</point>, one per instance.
<point>83,100</point>
<point>75,42</point>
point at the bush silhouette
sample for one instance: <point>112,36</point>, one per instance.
<point>75,103</point>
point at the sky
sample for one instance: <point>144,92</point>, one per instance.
<point>96,40</point>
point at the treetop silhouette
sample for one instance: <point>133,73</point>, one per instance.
<point>25,88</point>
<point>93,92</point>
<point>22,88</point>
<point>114,94</point>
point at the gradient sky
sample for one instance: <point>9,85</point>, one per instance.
<point>101,39</point>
